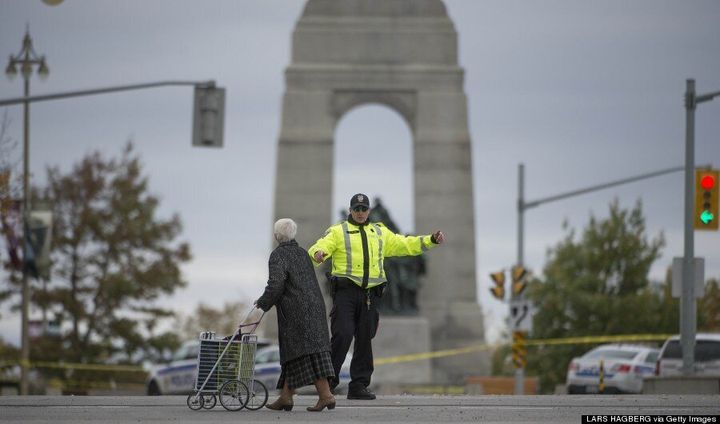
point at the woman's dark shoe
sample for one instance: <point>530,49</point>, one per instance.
<point>279,405</point>
<point>321,404</point>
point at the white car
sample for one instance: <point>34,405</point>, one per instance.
<point>178,376</point>
<point>624,368</point>
<point>707,356</point>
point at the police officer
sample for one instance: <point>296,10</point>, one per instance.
<point>357,248</point>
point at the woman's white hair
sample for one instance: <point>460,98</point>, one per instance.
<point>284,230</point>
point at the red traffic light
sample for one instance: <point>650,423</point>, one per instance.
<point>707,182</point>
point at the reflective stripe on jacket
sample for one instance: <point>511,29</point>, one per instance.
<point>357,251</point>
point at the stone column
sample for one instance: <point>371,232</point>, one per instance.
<point>444,201</point>
<point>303,189</point>
<point>303,185</point>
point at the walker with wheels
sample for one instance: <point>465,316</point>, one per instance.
<point>226,370</point>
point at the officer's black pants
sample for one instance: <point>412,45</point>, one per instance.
<point>351,317</point>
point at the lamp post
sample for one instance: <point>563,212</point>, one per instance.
<point>26,59</point>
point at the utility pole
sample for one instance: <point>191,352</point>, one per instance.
<point>688,304</point>
<point>520,370</point>
<point>688,312</point>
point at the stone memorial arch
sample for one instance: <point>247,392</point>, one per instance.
<point>402,54</point>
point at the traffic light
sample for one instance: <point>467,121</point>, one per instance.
<point>518,280</point>
<point>499,290</point>
<point>706,199</point>
<point>38,232</point>
<point>208,116</point>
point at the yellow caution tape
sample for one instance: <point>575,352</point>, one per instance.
<point>89,367</point>
<point>528,342</point>
<point>390,359</point>
<point>77,366</point>
<point>431,355</point>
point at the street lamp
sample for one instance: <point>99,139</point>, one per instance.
<point>26,59</point>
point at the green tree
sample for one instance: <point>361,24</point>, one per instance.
<point>10,199</point>
<point>597,285</point>
<point>501,361</point>
<point>709,307</point>
<point>113,257</point>
<point>9,355</point>
<point>223,321</point>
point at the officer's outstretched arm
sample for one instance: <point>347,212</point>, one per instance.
<point>399,245</point>
<point>323,248</point>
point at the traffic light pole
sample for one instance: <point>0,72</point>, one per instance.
<point>522,206</point>
<point>55,96</point>
<point>26,100</point>
<point>688,304</point>
<point>520,370</point>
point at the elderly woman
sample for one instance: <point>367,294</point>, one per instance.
<point>302,324</point>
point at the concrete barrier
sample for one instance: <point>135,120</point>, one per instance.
<point>681,385</point>
<point>402,336</point>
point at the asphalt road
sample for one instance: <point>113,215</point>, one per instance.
<point>385,409</point>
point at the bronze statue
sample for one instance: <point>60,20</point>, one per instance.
<point>402,273</point>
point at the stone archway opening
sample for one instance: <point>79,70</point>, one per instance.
<point>373,154</point>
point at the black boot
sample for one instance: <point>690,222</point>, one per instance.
<point>361,393</point>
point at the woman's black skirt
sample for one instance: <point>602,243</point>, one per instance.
<point>306,370</point>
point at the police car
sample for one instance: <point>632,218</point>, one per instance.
<point>178,376</point>
<point>624,367</point>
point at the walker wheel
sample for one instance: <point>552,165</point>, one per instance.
<point>195,401</point>
<point>233,395</point>
<point>209,401</point>
<point>258,395</point>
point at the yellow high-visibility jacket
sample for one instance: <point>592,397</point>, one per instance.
<point>361,258</point>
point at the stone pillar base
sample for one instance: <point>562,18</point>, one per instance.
<point>402,336</point>
<point>457,325</point>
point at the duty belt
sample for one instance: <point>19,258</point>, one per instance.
<point>348,283</point>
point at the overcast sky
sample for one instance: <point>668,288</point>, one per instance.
<point>582,92</point>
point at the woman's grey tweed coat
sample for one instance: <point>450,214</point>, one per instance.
<point>294,291</point>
